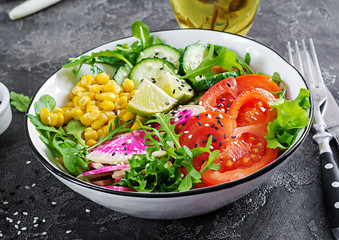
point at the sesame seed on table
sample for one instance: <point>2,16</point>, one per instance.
<point>35,205</point>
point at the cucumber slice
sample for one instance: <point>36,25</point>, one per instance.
<point>208,82</point>
<point>162,51</point>
<point>192,57</point>
<point>121,74</point>
<point>152,69</point>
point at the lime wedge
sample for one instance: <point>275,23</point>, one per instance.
<point>176,88</point>
<point>150,99</point>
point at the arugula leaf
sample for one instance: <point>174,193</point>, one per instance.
<point>247,58</point>
<point>141,31</point>
<point>276,78</point>
<point>292,117</point>
<point>45,101</point>
<point>20,101</point>
<point>226,59</point>
<point>76,128</point>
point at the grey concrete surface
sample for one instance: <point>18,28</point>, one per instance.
<point>35,205</point>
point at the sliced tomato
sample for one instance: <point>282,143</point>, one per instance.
<point>199,128</point>
<point>252,107</point>
<point>246,153</point>
<point>220,97</point>
<point>256,81</point>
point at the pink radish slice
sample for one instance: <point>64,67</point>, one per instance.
<point>103,182</point>
<point>101,172</point>
<point>95,165</point>
<point>117,180</point>
<point>184,113</point>
<point>120,188</point>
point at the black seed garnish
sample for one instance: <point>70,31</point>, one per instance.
<point>229,85</point>
<point>199,123</point>
<point>212,126</point>
<point>213,136</point>
<point>228,105</point>
<point>196,145</point>
<point>113,153</point>
<point>214,140</point>
<point>166,103</point>
<point>216,128</point>
<point>141,80</point>
<point>180,116</point>
<point>126,153</point>
<point>100,91</point>
<point>219,105</point>
<point>153,81</point>
<point>161,68</point>
<point>225,135</point>
<point>206,114</point>
<point>156,53</point>
<point>222,125</point>
<point>124,143</point>
<point>173,91</point>
<point>203,161</point>
<point>208,135</point>
<point>217,118</point>
<point>190,89</point>
<point>164,58</point>
<point>219,144</point>
<point>184,111</point>
<point>125,148</point>
<point>183,85</point>
<point>198,117</point>
<point>186,116</point>
<point>233,136</point>
<point>177,80</point>
<point>204,141</point>
<point>200,76</point>
<point>180,88</point>
<point>222,99</point>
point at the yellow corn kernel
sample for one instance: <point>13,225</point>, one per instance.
<point>71,96</point>
<point>135,126</point>
<point>128,85</point>
<point>132,93</point>
<point>110,114</point>
<point>110,96</point>
<point>140,118</point>
<point>75,101</point>
<point>78,91</point>
<point>67,115</point>
<point>121,103</point>
<point>86,80</point>
<point>102,78</point>
<point>95,88</point>
<point>69,105</point>
<point>90,134</point>
<point>127,116</point>
<point>86,120</point>
<point>100,122</point>
<point>121,112</point>
<point>60,120</point>
<point>44,116</point>
<point>91,107</point>
<point>84,100</point>
<point>91,142</point>
<point>113,87</point>
<point>94,115</point>
<point>58,110</point>
<point>89,94</point>
<point>107,105</point>
<point>76,113</point>
<point>109,88</point>
<point>111,122</point>
<point>124,94</point>
<point>104,130</point>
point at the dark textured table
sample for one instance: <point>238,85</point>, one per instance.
<point>35,205</point>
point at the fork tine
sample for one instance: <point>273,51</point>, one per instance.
<point>319,78</point>
<point>308,65</point>
<point>290,56</point>
<point>301,67</point>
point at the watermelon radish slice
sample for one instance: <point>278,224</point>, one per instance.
<point>120,188</point>
<point>184,113</point>
<point>101,173</point>
<point>119,149</point>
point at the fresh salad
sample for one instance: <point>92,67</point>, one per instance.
<point>169,119</point>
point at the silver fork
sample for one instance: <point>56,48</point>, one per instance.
<point>329,167</point>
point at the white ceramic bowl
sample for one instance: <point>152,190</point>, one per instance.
<point>178,204</point>
<point>5,108</point>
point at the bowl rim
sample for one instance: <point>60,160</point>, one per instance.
<point>56,171</point>
<point>5,98</point>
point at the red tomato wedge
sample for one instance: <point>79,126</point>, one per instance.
<point>245,154</point>
<point>220,97</point>
<point>252,107</point>
<point>256,81</point>
<point>199,128</point>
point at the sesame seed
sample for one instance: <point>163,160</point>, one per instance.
<point>54,203</point>
<point>25,213</point>
<point>68,231</point>
<point>16,213</point>
<point>19,232</point>
<point>206,125</point>
<point>211,147</point>
<point>28,162</point>
<point>44,233</point>
<point>36,225</point>
<point>190,136</point>
<point>186,132</point>
<point>24,228</point>
<point>220,115</point>
<point>16,226</point>
<point>209,116</point>
<point>10,220</point>
<point>87,210</point>
<point>43,220</point>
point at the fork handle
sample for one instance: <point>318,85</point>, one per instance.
<point>330,181</point>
